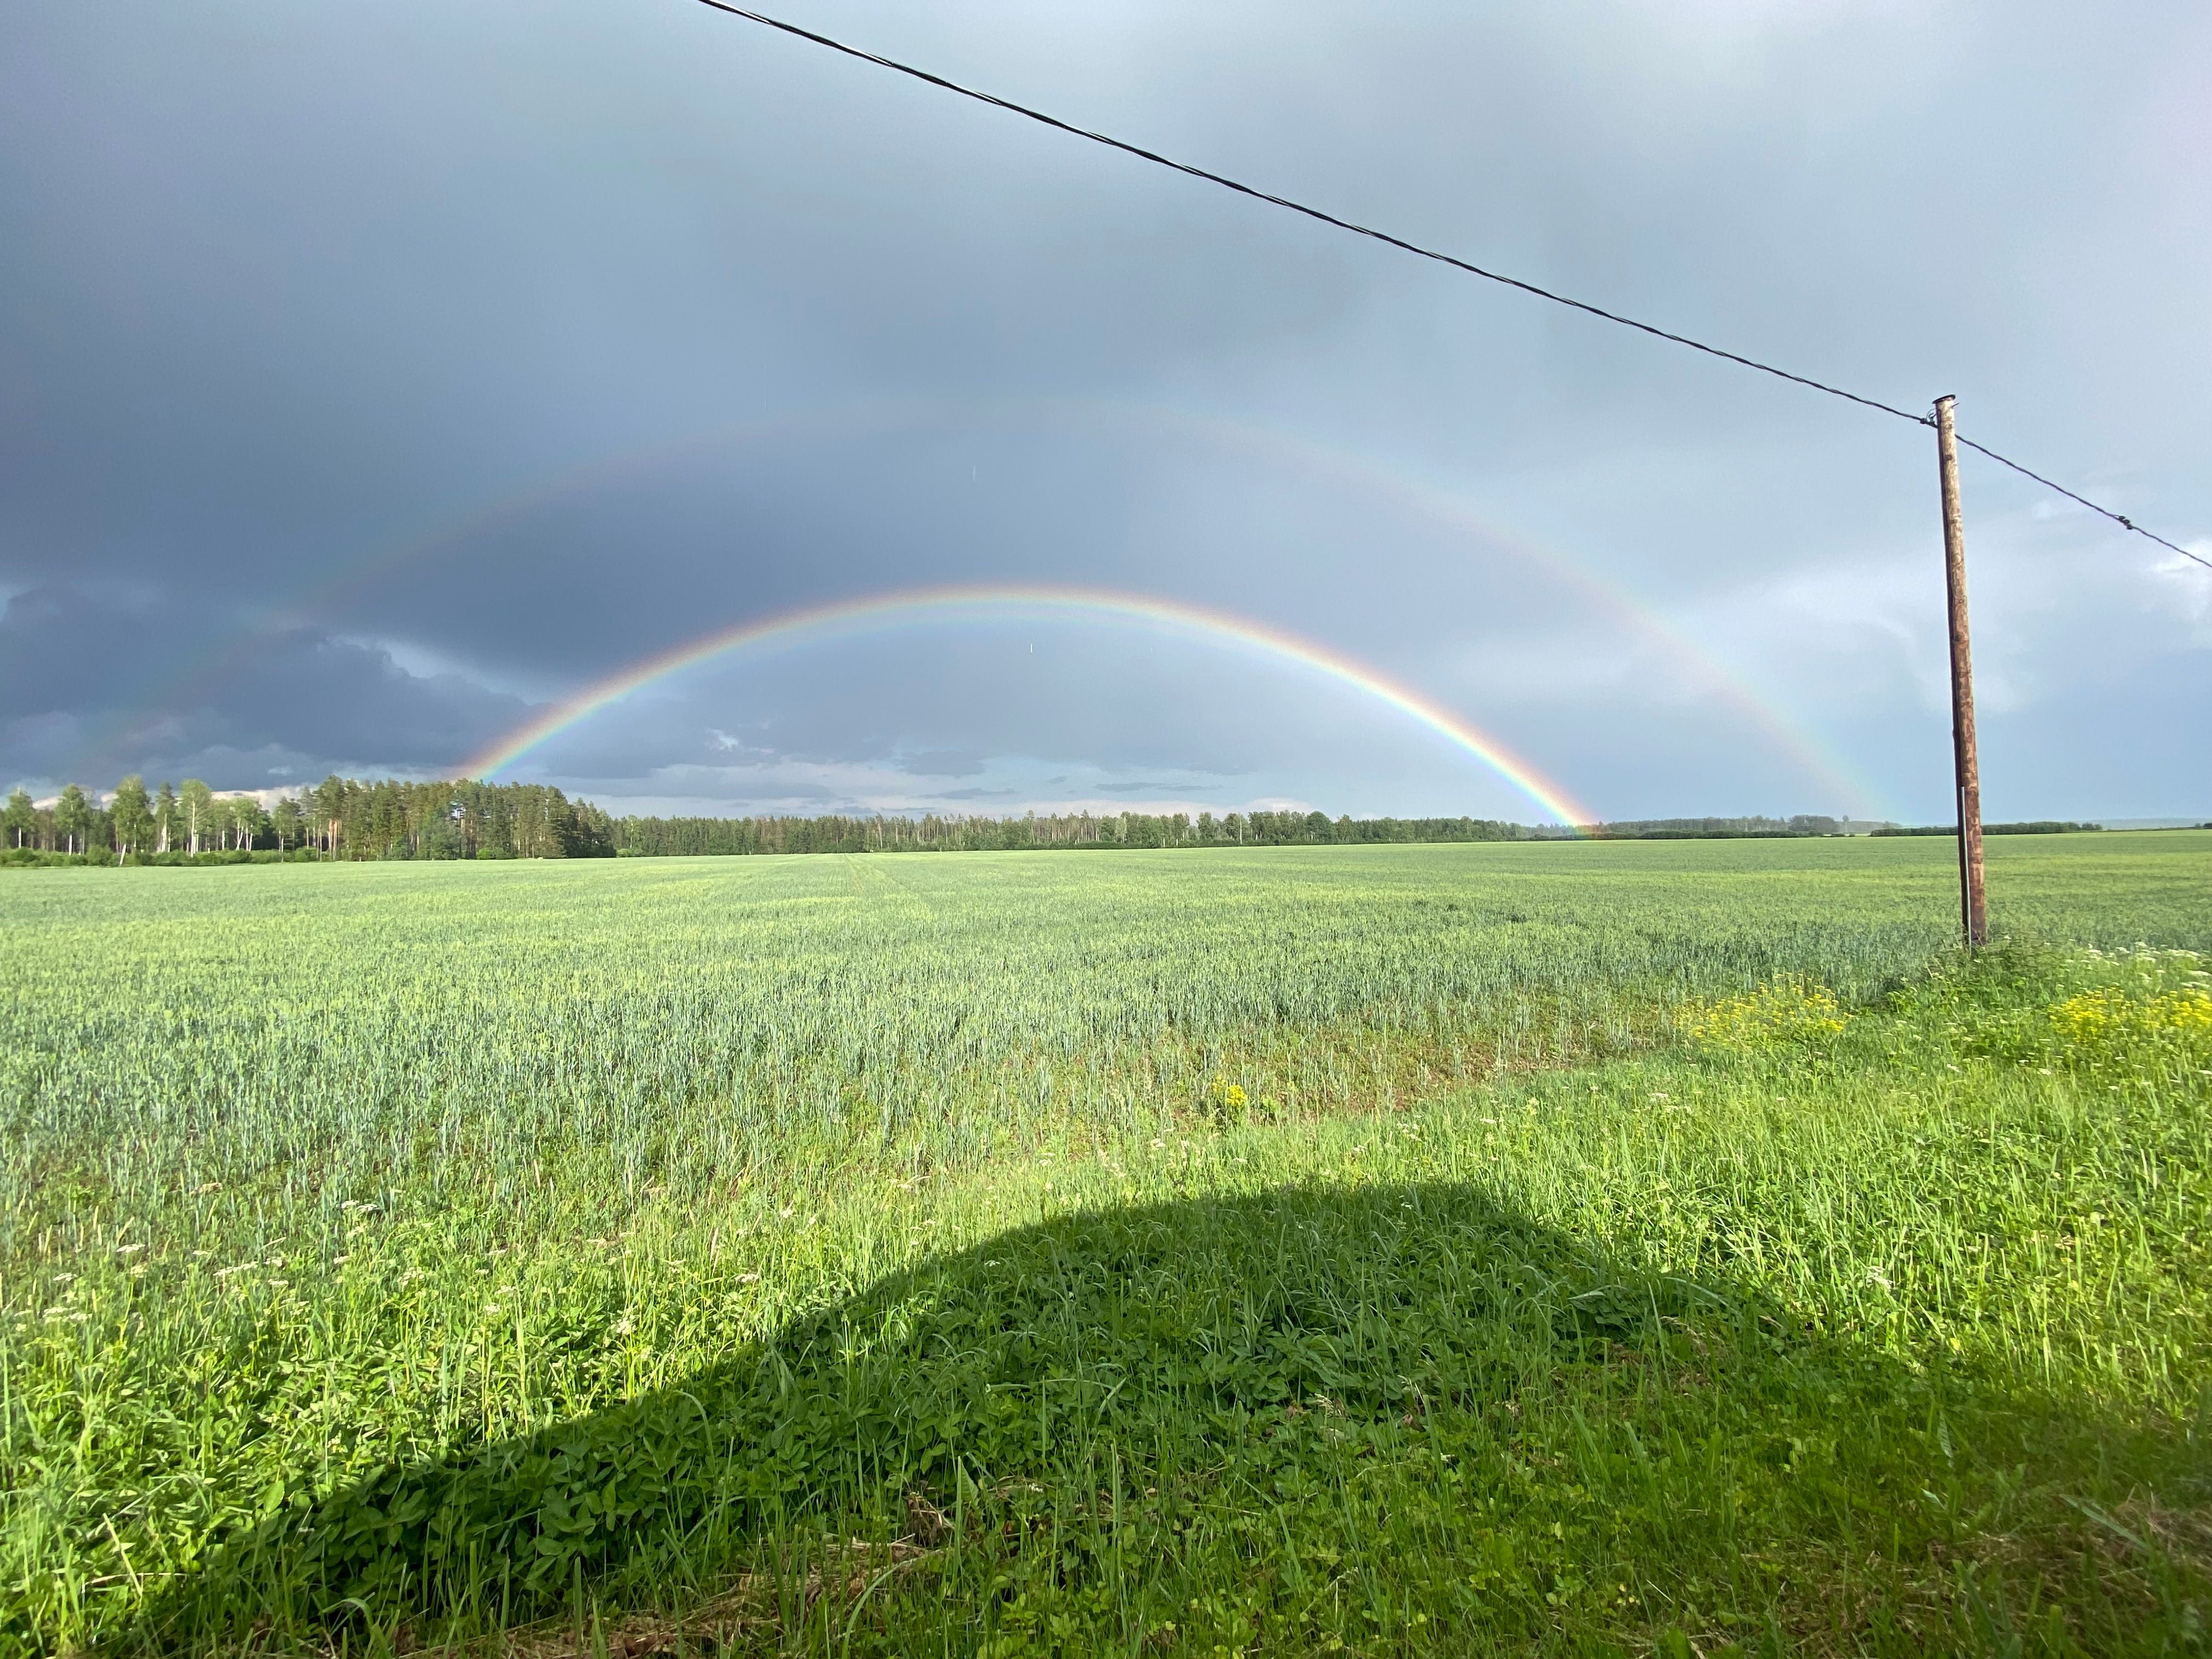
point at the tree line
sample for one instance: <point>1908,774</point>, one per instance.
<point>2033,827</point>
<point>654,837</point>
<point>650,838</point>
<point>350,818</point>
<point>337,819</point>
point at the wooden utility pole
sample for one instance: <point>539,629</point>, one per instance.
<point>1966,763</point>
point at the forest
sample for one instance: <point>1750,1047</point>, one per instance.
<point>348,818</point>
<point>391,818</point>
<point>337,819</point>
<point>930,833</point>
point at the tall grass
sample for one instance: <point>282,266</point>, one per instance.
<point>1408,1248</point>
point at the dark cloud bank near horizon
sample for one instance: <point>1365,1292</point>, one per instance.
<point>370,381</point>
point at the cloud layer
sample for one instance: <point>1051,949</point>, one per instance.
<point>370,381</point>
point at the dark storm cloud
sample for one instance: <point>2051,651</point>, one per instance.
<point>93,686</point>
<point>370,377</point>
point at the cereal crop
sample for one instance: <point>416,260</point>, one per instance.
<point>1667,1247</point>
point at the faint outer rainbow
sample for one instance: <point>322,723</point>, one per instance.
<point>1787,731</point>
<point>914,606</point>
<point>1421,495</point>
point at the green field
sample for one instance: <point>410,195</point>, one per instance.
<point>1663,1247</point>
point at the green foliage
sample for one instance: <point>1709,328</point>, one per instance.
<point>341,818</point>
<point>196,810</point>
<point>131,814</point>
<point>1803,824</point>
<point>2035,827</point>
<point>872,1256</point>
<point>1088,831</point>
<point>73,819</point>
<point>20,819</point>
<point>2136,1012</point>
<point>1786,1010</point>
<point>1071,832</point>
<point>392,818</point>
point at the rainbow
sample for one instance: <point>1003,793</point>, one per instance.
<point>1785,732</point>
<point>912,605</point>
<point>1418,495</point>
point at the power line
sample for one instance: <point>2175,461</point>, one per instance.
<point>2120,518</point>
<point>1326,218</point>
<point>1401,243</point>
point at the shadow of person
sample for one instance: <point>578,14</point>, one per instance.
<point>1269,1417</point>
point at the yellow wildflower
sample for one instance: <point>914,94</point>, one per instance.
<point>1784,1010</point>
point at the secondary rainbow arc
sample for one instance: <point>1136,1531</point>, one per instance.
<point>1790,735</point>
<point>919,606</point>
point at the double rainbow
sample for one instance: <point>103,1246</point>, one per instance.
<point>1699,668</point>
<point>918,606</point>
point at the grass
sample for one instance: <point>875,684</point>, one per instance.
<point>1662,1247</point>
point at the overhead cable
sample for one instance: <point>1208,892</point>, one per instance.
<point>1401,243</point>
<point>2120,518</point>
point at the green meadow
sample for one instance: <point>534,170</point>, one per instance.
<point>1670,1248</point>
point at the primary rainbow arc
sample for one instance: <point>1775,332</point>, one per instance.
<point>1407,490</point>
<point>921,605</point>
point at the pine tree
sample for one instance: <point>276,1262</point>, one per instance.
<point>330,798</point>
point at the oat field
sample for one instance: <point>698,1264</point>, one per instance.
<point>1667,1247</point>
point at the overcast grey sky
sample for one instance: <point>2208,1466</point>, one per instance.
<point>372,378</point>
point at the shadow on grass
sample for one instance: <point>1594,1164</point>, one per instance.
<point>1398,1418</point>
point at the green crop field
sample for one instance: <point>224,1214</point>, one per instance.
<point>1645,1247</point>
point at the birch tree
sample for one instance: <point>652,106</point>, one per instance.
<point>198,802</point>
<point>72,818</point>
<point>131,816</point>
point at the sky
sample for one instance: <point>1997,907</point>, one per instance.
<point>375,381</point>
